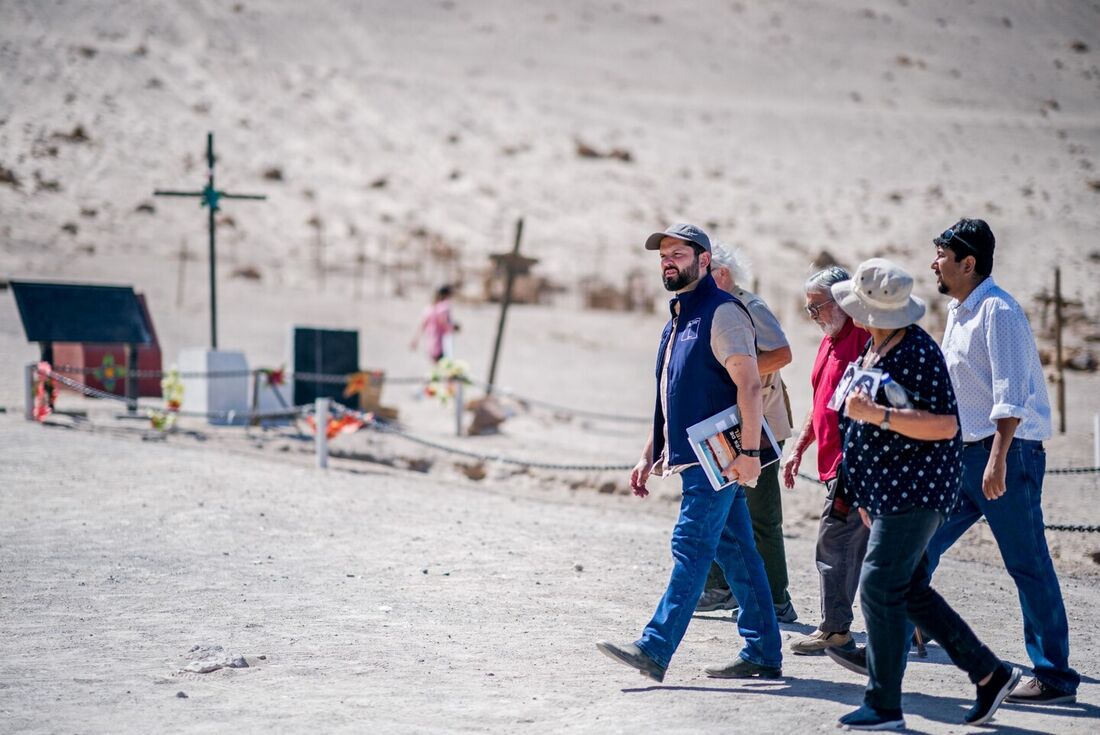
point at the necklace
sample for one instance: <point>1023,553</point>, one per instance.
<point>875,354</point>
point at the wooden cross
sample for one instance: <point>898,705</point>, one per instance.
<point>513,263</point>
<point>210,197</point>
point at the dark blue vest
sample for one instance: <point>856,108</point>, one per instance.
<point>698,385</point>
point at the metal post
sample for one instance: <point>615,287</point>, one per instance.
<point>257,376</point>
<point>131,379</point>
<point>458,408</point>
<point>1096,440</point>
<point>1059,363</point>
<point>29,373</point>
<point>212,210</point>
<point>321,421</point>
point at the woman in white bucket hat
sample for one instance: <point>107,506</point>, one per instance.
<point>902,464</point>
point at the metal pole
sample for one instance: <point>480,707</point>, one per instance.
<point>1058,361</point>
<point>1096,440</point>
<point>321,421</point>
<point>458,408</point>
<point>29,374</point>
<point>131,379</point>
<point>505,302</point>
<point>212,207</point>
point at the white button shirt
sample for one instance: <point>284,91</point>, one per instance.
<point>994,365</point>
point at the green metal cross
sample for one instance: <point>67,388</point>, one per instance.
<point>210,197</point>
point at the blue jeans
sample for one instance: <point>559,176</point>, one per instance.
<point>894,589</point>
<point>1016,519</point>
<point>714,525</point>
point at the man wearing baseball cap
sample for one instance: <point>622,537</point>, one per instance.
<point>705,364</point>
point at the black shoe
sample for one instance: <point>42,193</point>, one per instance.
<point>1036,692</point>
<point>634,657</point>
<point>742,669</point>
<point>786,613</point>
<point>717,598</point>
<point>992,693</point>
<point>869,718</point>
<point>853,658</point>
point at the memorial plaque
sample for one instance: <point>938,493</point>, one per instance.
<point>323,351</point>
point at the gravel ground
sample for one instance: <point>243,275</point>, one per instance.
<point>368,596</point>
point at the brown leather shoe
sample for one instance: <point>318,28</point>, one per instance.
<point>634,657</point>
<point>1034,691</point>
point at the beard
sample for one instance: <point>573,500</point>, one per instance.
<point>941,286</point>
<point>833,326</point>
<point>679,279</point>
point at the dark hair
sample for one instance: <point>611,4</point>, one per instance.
<point>444,292</point>
<point>698,250</point>
<point>972,237</point>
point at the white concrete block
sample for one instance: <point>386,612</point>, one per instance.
<point>215,393</point>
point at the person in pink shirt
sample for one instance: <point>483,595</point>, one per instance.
<point>436,325</point>
<point>841,536</point>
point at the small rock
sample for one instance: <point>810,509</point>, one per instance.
<point>578,567</point>
<point>181,695</point>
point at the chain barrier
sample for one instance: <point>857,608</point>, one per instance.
<point>384,428</point>
<point>342,379</point>
<point>224,415</point>
<point>1073,470</point>
<point>583,413</point>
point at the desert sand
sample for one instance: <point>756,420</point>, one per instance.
<point>408,590</point>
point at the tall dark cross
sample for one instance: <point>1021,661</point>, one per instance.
<point>513,264</point>
<point>210,197</point>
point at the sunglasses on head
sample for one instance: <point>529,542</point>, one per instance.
<point>949,234</point>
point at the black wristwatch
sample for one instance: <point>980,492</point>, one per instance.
<point>751,453</point>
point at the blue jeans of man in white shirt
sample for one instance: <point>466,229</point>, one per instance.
<point>1016,519</point>
<point>714,526</point>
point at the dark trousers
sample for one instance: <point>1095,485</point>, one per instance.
<point>894,589</point>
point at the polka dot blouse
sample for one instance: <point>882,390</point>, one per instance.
<point>886,472</point>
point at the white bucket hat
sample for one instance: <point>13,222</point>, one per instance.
<point>879,295</point>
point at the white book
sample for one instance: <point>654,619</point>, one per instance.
<point>716,441</point>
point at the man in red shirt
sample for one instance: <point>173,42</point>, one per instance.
<point>841,537</point>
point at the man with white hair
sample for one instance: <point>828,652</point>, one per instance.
<point>841,536</point>
<point>729,268</point>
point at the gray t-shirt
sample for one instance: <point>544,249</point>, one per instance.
<point>769,336</point>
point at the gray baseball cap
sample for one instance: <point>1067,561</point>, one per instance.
<point>688,233</point>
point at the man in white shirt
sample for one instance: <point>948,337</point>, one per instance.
<point>1004,415</point>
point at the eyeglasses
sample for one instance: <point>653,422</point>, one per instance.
<point>949,234</point>
<point>814,309</point>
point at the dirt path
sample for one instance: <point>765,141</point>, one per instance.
<point>394,602</point>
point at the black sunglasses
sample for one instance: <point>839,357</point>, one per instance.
<point>949,234</point>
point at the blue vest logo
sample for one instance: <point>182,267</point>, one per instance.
<point>691,331</point>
